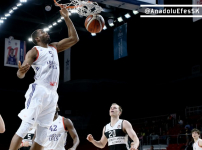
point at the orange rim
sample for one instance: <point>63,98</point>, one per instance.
<point>69,7</point>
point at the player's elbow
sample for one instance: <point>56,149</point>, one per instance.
<point>2,130</point>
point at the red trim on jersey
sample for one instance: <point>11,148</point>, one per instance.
<point>199,145</point>
<point>63,123</point>
<point>54,47</point>
<point>37,55</point>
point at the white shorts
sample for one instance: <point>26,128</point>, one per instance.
<point>40,105</point>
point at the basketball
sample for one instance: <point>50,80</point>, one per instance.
<point>94,23</point>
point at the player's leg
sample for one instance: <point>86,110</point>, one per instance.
<point>41,137</point>
<point>19,135</point>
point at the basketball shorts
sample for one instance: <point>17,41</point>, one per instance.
<point>40,105</point>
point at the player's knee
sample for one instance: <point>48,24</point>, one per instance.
<point>41,135</point>
<point>23,129</point>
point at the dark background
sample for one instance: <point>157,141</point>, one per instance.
<point>154,79</point>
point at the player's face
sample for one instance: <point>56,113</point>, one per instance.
<point>114,110</point>
<point>12,51</point>
<point>195,135</point>
<point>44,36</point>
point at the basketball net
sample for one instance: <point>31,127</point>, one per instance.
<point>83,8</point>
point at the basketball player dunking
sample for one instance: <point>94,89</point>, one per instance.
<point>197,141</point>
<point>57,133</point>
<point>42,97</point>
<point>116,133</point>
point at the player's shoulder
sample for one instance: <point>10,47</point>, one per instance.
<point>67,120</point>
<point>125,122</point>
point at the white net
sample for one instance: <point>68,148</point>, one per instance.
<point>84,8</point>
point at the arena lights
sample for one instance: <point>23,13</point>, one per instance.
<point>120,19</point>
<point>15,7</point>
<point>59,20</point>
<point>111,22</point>
<point>3,18</point>
<point>127,15</point>
<point>10,11</point>
<point>54,23</point>
<point>135,12</point>
<point>104,28</point>
<point>50,26</point>
<point>7,15</point>
<point>23,1</point>
<point>30,39</point>
<point>1,21</point>
<point>93,34</point>
<point>19,4</point>
<point>46,29</point>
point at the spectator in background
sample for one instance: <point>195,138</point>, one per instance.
<point>152,147</point>
<point>154,138</point>
<point>180,122</point>
<point>187,126</point>
<point>2,125</point>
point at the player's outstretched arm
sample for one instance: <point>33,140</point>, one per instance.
<point>72,34</point>
<point>72,131</point>
<point>129,129</point>
<point>29,59</point>
<point>99,144</point>
<point>2,125</point>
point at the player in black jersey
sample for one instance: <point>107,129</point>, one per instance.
<point>116,133</point>
<point>27,141</point>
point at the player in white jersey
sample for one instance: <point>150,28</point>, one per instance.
<point>197,141</point>
<point>2,125</point>
<point>42,97</point>
<point>116,132</point>
<point>57,133</point>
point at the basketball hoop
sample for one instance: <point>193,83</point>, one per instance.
<point>83,8</point>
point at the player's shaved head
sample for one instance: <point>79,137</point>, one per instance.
<point>34,36</point>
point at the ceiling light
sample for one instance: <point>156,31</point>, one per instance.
<point>3,18</point>
<point>54,23</point>
<point>62,17</point>
<point>6,15</point>
<point>1,21</point>
<point>48,7</point>
<point>46,29</point>
<point>30,39</point>
<point>23,1</point>
<point>135,12</point>
<point>104,28</point>
<point>127,15</point>
<point>111,22</point>
<point>14,8</point>
<point>10,11</point>
<point>59,20</point>
<point>19,4</point>
<point>50,26</point>
<point>120,19</point>
<point>93,34</point>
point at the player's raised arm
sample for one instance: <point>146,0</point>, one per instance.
<point>128,128</point>
<point>72,34</point>
<point>29,59</point>
<point>99,144</point>
<point>2,125</point>
<point>72,131</point>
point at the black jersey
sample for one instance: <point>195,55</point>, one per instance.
<point>28,138</point>
<point>117,138</point>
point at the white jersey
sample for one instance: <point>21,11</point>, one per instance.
<point>46,67</point>
<point>117,138</point>
<point>57,135</point>
<point>196,145</point>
